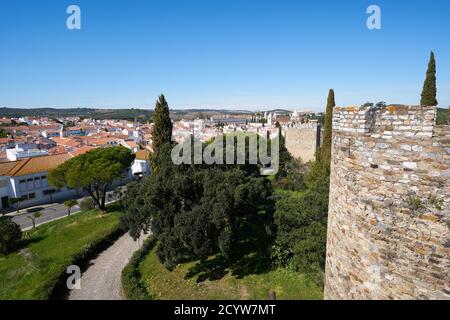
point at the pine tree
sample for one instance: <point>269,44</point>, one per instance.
<point>429,86</point>
<point>162,125</point>
<point>325,150</point>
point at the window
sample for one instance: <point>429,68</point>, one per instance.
<point>23,185</point>
<point>30,184</point>
<point>31,196</point>
<point>48,192</point>
<point>37,182</point>
<point>3,183</point>
<point>44,181</point>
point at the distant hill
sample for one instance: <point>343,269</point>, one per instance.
<point>281,111</point>
<point>142,115</point>
<point>125,114</point>
<point>222,111</point>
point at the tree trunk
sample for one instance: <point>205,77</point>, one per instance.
<point>103,200</point>
<point>96,199</point>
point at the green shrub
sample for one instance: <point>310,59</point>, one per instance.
<point>131,276</point>
<point>301,222</point>
<point>414,203</point>
<point>436,202</point>
<point>87,204</point>
<point>10,235</point>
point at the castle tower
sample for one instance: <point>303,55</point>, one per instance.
<point>303,141</point>
<point>389,212</point>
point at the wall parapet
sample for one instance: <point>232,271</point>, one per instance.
<point>401,120</point>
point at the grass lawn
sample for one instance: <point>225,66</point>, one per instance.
<point>195,280</point>
<point>33,270</point>
<point>283,192</point>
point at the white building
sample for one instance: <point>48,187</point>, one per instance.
<point>24,151</point>
<point>129,144</point>
<point>137,136</point>
<point>141,166</point>
<point>28,178</point>
<point>52,133</point>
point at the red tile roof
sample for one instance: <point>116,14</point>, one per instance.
<point>32,165</point>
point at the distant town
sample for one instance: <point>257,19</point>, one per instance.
<point>31,146</point>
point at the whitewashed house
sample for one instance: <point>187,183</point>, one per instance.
<point>141,164</point>
<point>28,178</point>
<point>26,150</point>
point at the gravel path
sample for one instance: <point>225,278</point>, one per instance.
<point>102,280</point>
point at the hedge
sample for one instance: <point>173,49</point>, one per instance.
<point>131,276</point>
<point>59,290</point>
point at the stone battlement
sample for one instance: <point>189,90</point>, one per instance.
<point>389,211</point>
<point>391,120</point>
<point>310,125</point>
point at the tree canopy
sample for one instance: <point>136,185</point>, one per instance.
<point>301,218</point>
<point>70,204</point>
<point>195,211</point>
<point>10,235</point>
<point>162,127</point>
<point>301,228</point>
<point>429,86</point>
<point>93,171</point>
<point>325,149</point>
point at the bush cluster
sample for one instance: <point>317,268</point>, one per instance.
<point>10,235</point>
<point>131,276</point>
<point>87,204</point>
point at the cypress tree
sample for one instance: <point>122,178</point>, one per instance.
<point>162,125</point>
<point>325,150</point>
<point>284,155</point>
<point>320,169</point>
<point>161,132</point>
<point>429,86</point>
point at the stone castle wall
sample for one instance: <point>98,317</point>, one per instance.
<point>302,141</point>
<point>389,212</point>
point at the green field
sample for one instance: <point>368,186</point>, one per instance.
<point>33,271</point>
<point>209,280</point>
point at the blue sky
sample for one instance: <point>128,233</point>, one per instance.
<point>251,54</point>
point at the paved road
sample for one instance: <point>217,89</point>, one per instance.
<point>49,213</point>
<point>102,280</point>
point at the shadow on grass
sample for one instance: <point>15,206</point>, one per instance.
<point>250,256</point>
<point>23,244</point>
<point>114,207</point>
<point>29,241</point>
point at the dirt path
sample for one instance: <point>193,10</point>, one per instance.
<point>102,280</point>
